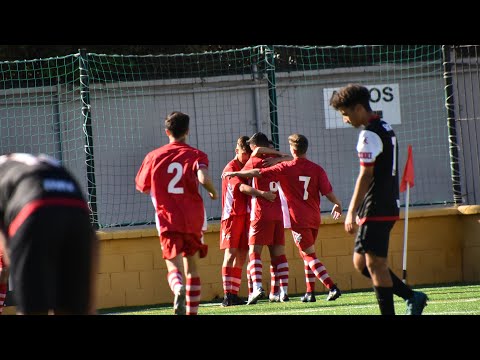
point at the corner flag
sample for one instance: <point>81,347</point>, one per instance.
<point>406,184</point>
<point>408,172</point>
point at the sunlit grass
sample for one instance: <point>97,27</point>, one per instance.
<point>457,299</point>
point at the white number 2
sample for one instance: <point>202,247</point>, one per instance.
<point>306,180</point>
<point>175,166</point>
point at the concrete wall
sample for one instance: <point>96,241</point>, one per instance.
<point>471,242</point>
<point>443,247</point>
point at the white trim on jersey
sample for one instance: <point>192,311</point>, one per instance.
<point>287,223</point>
<point>253,201</point>
<point>227,209</point>
<point>369,146</point>
<point>157,220</point>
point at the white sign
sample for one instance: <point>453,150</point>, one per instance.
<point>384,99</point>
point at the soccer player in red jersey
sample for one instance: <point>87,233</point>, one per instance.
<point>302,182</point>
<point>266,228</point>
<point>171,174</point>
<point>235,223</point>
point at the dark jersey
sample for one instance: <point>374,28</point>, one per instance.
<point>39,180</point>
<point>377,146</point>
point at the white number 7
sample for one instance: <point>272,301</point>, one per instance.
<point>306,180</point>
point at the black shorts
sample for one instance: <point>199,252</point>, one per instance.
<point>51,261</point>
<point>373,237</point>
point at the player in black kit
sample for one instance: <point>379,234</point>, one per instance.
<point>375,204</point>
<point>46,230</point>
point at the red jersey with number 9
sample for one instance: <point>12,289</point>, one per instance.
<point>169,173</point>
<point>262,209</point>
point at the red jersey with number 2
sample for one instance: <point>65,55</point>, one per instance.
<point>169,173</point>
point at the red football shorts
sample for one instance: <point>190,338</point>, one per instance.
<point>304,237</point>
<point>267,233</point>
<point>234,232</point>
<point>175,243</point>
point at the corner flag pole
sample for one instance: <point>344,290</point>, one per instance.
<point>406,184</point>
<point>405,236</point>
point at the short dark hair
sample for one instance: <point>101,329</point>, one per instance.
<point>242,143</point>
<point>177,123</point>
<point>351,95</point>
<point>298,142</point>
<point>258,139</point>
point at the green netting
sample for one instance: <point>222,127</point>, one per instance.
<point>40,110</point>
<point>45,107</point>
<point>407,88</point>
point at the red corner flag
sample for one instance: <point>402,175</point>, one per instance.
<point>408,173</point>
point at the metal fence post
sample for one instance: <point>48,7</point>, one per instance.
<point>452,130</point>
<point>272,94</point>
<point>87,129</point>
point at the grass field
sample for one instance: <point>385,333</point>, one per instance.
<point>454,299</point>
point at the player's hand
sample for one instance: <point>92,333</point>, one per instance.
<point>213,196</point>
<point>270,161</point>
<point>227,174</point>
<point>336,211</point>
<point>350,224</point>
<point>268,195</point>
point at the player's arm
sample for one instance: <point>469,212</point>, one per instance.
<point>242,173</point>
<point>248,190</point>
<point>271,160</point>
<point>337,205</point>
<point>206,181</point>
<point>362,184</point>
<point>260,150</point>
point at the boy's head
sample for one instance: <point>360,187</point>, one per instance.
<point>242,149</point>
<point>299,143</point>
<point>351,95</point>
<point>177,123</point>
<point>258,139</point>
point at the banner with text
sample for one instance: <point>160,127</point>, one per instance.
<point>384,99</point>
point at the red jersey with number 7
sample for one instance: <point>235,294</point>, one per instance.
<point>169,173</point>
<point>303,182</point>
